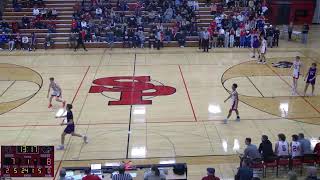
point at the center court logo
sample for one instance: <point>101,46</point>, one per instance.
<point>133,90</point>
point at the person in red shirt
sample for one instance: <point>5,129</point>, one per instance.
<point>210,176</point>
<point>90,176</point>
<point>317,149</point>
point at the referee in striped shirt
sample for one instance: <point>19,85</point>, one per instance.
<point>122,175</point>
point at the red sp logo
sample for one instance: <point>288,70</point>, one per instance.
<point>132,89</point>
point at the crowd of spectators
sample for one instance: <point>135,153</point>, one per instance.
<point>151,22</point>
<point>42,18</point>
<point>240,26</point>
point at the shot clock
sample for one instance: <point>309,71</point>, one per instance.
<point>27,161</point>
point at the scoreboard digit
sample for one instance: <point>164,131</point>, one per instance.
<point>27,161</point>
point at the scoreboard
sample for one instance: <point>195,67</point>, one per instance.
<point>27,161</point>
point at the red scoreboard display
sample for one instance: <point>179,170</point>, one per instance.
<point>27,161</point>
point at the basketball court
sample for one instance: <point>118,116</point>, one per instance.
<point>173,111</point>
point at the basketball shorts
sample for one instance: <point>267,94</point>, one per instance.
<point>310,81</point>
<point>295,75</point>
<point>234,106</point>
<point>69,129</point>
<point>56,94</point>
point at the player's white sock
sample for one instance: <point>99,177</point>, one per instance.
<point>60,147</point>
<point>225,120</point>
<point>85,139</point>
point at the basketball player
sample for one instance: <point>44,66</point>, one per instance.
<point>70,128</point>
<point>235,99</point>
<point>282,146</point>
<point>296,66</point>
<point>311,78</point>
<point>56,92</point>
<point>295,147</point>
<point>263,50</point>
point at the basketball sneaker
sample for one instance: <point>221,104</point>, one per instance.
<point>225,121</point>
<point>60,147</point>
<point>238,119</point>
<point>50,106</point>
<point>85,139</point>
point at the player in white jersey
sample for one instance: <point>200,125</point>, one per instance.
<point>282,146</point>
<point>295,147</point>
<point>235,100</point>
<point>263,50</point>
<point>296,67</point>
<point>56,92</point>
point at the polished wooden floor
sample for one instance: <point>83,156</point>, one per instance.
<point>185,126</point>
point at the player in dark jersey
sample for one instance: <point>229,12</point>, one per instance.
<point>311,78</point>
<point>70,128</point>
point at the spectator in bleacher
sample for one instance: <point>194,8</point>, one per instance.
<point>25,42</point>
<point>290,29</point>
<point>51,27</point>
<point>205,40</point>
<point>210,175</point>
<point>16,6</point>
<point>168,36</point>
<point>72,40</point>
<point>18,41</point>
<point>141,39</point>
<point>110,38</point>
<point>305,145</point>
<point>84,24</point>
<point>74,25</point>
<point>35,11</point>
<point>48,42</point>
<point>316,149</point>
<point>5,27</point>
<point>168,14</point>
<point>295,147</point>
<point>152,40</point>
<point>3,40</point>
<point>122,175</point>
<point>221,37</point>
<point>226,38</point>
<point>265,148</point>
<point>98,12</point>
<point>200,38</point>
<point>15,27</point>
<point>181,38</point>
<point>89,176</point>
<point>304,33</point>
<point>37,2</point>
<point>232,37</point>
<point>244,172</point>
<point>44,13</point>
<point>159,39</point>
<point>213,8</point>
<point>154,174</point>
<point>54,13</point>
<point>270,33</point>
<point>33,42</point>
<point>25,22</point>
<point>276,37</point>
<point>11,42</point>
<point>126,42</point>
<point>80,42</point>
